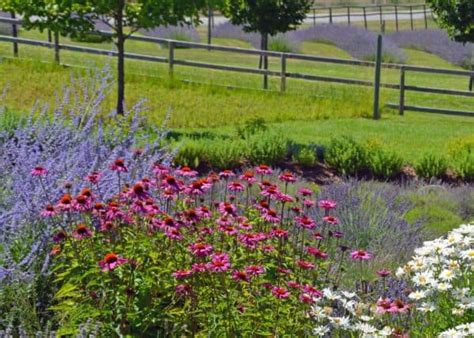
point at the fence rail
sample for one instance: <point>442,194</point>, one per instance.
<point>283,73</point>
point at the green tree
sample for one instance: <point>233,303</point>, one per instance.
<point>456,16</point>
<point>124,17</point>
<point>267,17</point>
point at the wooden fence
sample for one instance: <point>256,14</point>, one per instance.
<point>283,73</point>
<point>330,14</point>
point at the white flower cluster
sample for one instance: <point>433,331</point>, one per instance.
<point>342,311</point>
<point>442,273</point>
<point>463,330</point>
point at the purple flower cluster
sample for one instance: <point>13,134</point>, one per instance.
<point>180,33</point>
<point>372,216</point>
<point>358,42</point>
<point>436,41</point>
<point>76,141</point>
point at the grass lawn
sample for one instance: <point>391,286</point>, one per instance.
<point>317,111</point>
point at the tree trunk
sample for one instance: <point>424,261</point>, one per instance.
<point>120,43</point>
<point>264,59</point>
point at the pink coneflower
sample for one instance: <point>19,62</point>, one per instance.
<point>191,216</point>
<point>398,306</point>
<point>284,198</point>
<point>59,236</point>
<point>201,249</point>
<point>287,177</point>
<point>240,276</point>
<point>81,232</point>
<point>174,233</point>
<point>107,226</point>
<point>271,192</point>
<point>82,203</point>
<point>305,265</point>
<point>169,194</point>
<point>198,187</point>
<point>248,177</point>
<point>264,169</point>
<point>199,267</point>
<point>226,174</point>
<point>268,248</point>
<point>219,262</point>
<point>316,252</point>
<point>206,231</point>
<point>265,184</point>
<point>361,255</point>
<point>262,205</point>
<point>383,305</point>
<point>235,186</point>
<point>336,234</point>
<point>181,274</point>
<point>245,226</point>
<point>309,203</point>
<point>279,233</point>
<point>306,298</point>
<point>119,166</point>
<point>39,171</point>
<point>305,222</point>
<point>318,236</point>
<point>384,273</point>
<point>186,172</point>
<point>49,211</point>
<point>280,293</point>
<point>284,271</point>
<point>138,191</point>
<point>229,230</point>
<point>327,204</point>
<point>111,261</point>
<point>312,291</point>
<point>271,216</point>
<point>250,240</point>
<point>204,212</point>
<point>227,209</point>
<point>331,220</point>
<point>305,192</point>
<point>170,182</point>
<point>94,177</point>
<point>225,221</point>
<point>296,210</point>
<point>160,169</point>
<point>65,203</point>
<point>293,284</point>
<point>183,290</point>
<point>255,270</point>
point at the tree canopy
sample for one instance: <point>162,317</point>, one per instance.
<point>456,16</point>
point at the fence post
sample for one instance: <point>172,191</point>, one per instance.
<point>314,16</point>
<point>170,57</point>
<point>15,35</point>
<point>378,67</point>
<point>396,18</point>
<point>209,25</point>
<point>330,14</point>
<point>56,47</point>
<point>402,91</point>
<point>283,73</point>
<point>380,17</point>
<point>365,17</point>
<point>411,17</point>
<point>349,16</point>
<point>50,36</point>
<point>426,19</point>
<point>382,28</point>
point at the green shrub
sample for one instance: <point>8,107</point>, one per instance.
<point>305,156</point>
<point>252,127</point>
<point>190,154</point>
<point>431,166</point>
<point>281,43</point>
<point>267,147</point>
<point>225,154</point>
<point>382,163</point>
<point>347,156</point>
<point>461,153</point>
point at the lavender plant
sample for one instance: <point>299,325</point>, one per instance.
<point>181,33</point>
<point>358,42</point>
<point>436,41</point>
<point>78,138</point>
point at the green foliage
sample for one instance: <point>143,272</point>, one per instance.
<point>251,127</point>
<point>432,166</point>
<point>305,156</point>
<point>91,38</point>
<point>347,156</point>
<point>280,43</point>
<point>456,16</point>
<point>461,154</point>
<point>269,148</point>
<point>382,163</point>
